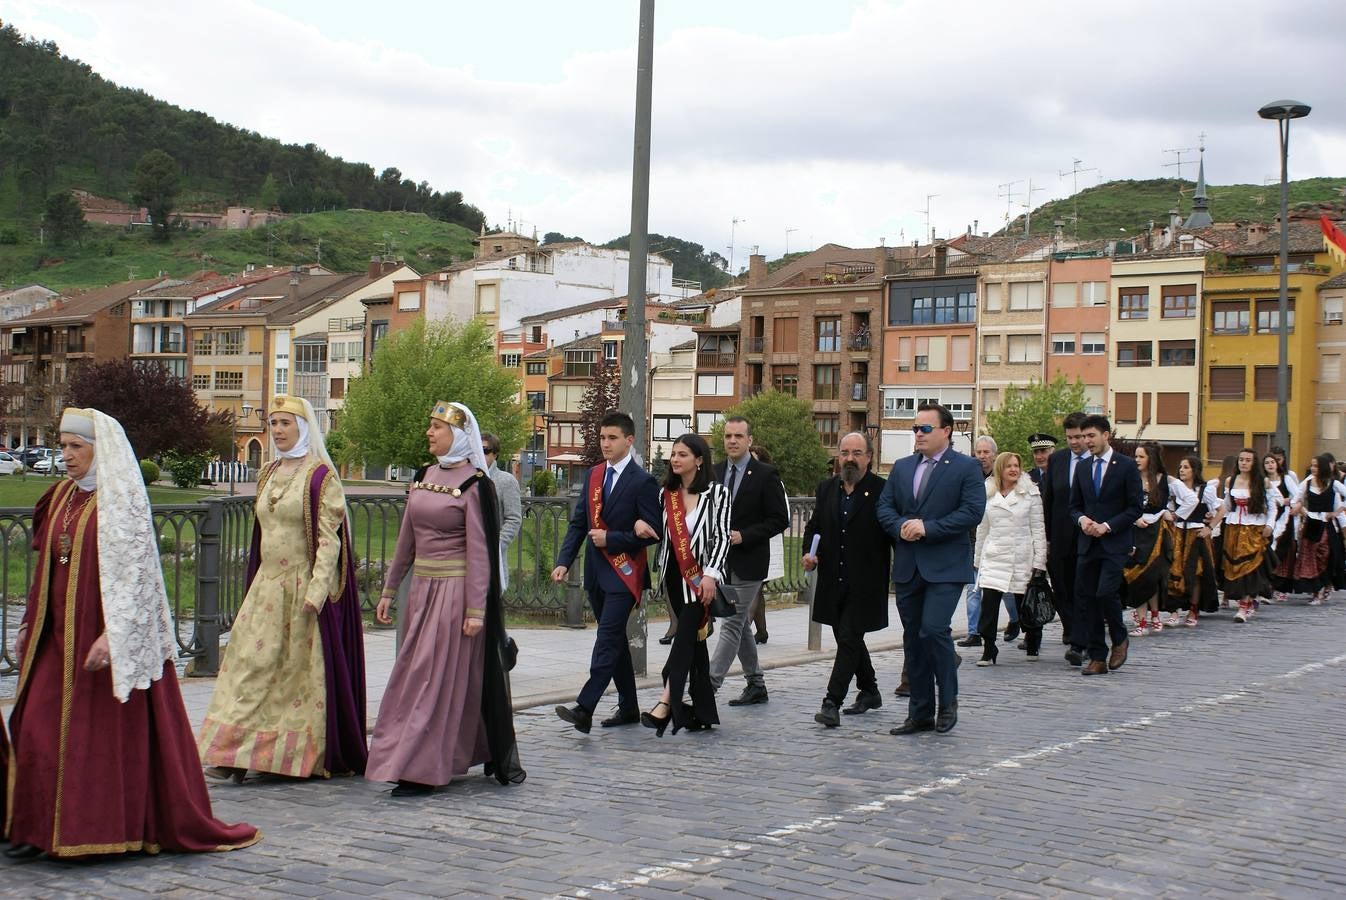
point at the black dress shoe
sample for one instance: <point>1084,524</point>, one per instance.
<point>412,789</point>
<point>666,639</point>
<point>947,718</point>
<point>622,717</point>
<point>576,715</point>
<point>828,714</point>
<point>864,702</point>
<point>911,726</point>
<point>903,688</point>
<point>1074,657</point>
<point>753,693</point>
<point>972,640</point>
<point>22,851</point>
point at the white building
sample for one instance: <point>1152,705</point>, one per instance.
<point>671,383</point>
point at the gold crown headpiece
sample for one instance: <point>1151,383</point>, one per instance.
<point>449,414</point>
<point>284,403</point>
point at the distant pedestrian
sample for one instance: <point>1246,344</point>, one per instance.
<point>1011,550</point>
<point>1285,546</point>
<point>1063,534</point>
<point>985,450</point>
<point>1251,511</point>
<point>931,502</point>
<point>853,559</point>
<point>509,501</point>
<point>1319,554</point>
<point>1191,579</point>
<point>1163,499</point>
<point>1218,486</point>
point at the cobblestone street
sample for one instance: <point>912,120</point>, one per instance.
<point>1210,764</point>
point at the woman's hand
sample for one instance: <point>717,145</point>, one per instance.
<point>472,627</point>
<point>644,531</point>
<point>100,657</point>
<point>707,589</point>
<point>1141,523</point>
<point>383,612</point>
<point>21,643</point>
<point>1297,509</point>
<point>1168,515</point>
<point>1267,531</point>
<point>810,562</point>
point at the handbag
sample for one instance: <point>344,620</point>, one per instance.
<point>1037,607</point>
<point>721,607</point>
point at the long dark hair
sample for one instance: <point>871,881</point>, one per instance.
<point>1155,475</point>
<point>1326,471</point>
<point>1257,483</point>
<point>701,450</point>
<point>1194,463</point>
<point>1228,466</point>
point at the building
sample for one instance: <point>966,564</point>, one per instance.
<point>672,386</point>
<point>565,404</point>
<point>1330,404</point>
<point>26,300</point>
<point>1012,283</point>
<point>1078,320</point>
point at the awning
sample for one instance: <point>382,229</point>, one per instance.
<point>566,458</point>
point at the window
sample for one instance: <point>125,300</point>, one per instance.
<point>1179,302</point>
<point>715,385</point>
<point>538,367</point>
<point>1269,316</point>
<point>201,344</point>
<point>705,421</point>
<point>1264,382</point>
<point>1065,293</point>
<point>785,335</point>
<point>967,306</point>
<point>282,381</point>
<point>567,397</point>
<point>1229,317</point>
<point>1135,353</point>
<point>310,359</point>
<point>993,296</point>
<point>1133,303</point>
<point>990,349</point>
<point>827,425</point>
<point>1093,343</point>
<point>955,308</point>
<point>488,296</point>
<point>1220,444</point>
<point>229,381</point>
<point>580,363</point>
<point>565,434</point>
<point>1329,368</point>
<point>511,360</point>
<point>1177,353</point>
<point>537,400</point>
<point>338,391</point>
<point>785,379</point>
<point>1093,293</point>
<point>377,332</point>
<point>1063,344</point>
<point>960,354</point>
<point>899,407</point>
<point>1171,408</point>
<point>922,310</point>
<point>1024,348</point>
<point>1332,310</point>
<point>610,351</point>
<point>1025,295</point>
<point>826,382</point>
<point>1227,382</point>
<point>408,300</point>
<point>829,334</point>
<point>201,381</point>
<point>1124,407</point>
<point>1329,428</point>
<point>990,399</point>
<point>670,428</point>
<point>229,343</point>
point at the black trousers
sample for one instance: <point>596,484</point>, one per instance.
<point>988,623</point>
<point>852,659</point>
<point>1061,565</point>
<point>687,670</point>
<point>1100,581</point>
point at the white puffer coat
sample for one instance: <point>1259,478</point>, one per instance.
<point>1011,539</point>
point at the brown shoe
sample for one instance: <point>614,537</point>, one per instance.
<point>1095,667</point>
<point>1117,658</point>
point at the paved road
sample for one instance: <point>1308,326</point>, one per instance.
<point>1211,764</point>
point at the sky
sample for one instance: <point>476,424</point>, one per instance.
<point>808,121</point>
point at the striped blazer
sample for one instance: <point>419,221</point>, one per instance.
<point>710,537</point>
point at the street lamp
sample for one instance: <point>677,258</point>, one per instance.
<point>1283,111</point>
<point>233,456</point>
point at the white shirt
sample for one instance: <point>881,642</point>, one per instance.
<point>1075,461</point>
<point>617,468</point>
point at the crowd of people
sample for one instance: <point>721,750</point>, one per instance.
<point>1089,530</point>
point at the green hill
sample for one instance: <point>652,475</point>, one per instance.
<point>348,239</point>
<point>1109,209</point>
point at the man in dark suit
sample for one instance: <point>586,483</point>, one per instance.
<point>1063,534</point>
<point>1042,446</point>
<point>615,495</point>
<point>851,593</point>
<point>1105,502</point>
<point>757,514</point>
<point>931,501</point>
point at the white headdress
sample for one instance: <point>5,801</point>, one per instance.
<point>466,434</point>
<point>310,431</point>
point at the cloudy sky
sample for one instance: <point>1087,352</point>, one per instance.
<point>830,119</point>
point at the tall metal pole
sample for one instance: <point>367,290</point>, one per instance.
<point>635,349</point>
<point>1283,305</point>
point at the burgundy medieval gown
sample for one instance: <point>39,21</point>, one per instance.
<point>88,774</point>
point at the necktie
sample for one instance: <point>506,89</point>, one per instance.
<point>1098,474</point>
<point>733,481</point>
<point>607,482</point>
<point>922,472</point>
<point>1078,459</point>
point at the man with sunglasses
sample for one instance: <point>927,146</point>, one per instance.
<point>930,502</point>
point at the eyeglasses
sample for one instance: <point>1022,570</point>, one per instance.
<point>922,429</point>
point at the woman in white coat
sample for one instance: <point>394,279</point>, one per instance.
<point>1011,548</point>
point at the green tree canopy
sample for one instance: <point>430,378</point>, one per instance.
<point>158,410</point>
<point>388,407</point>
<point>784,425</point>
<point>1040,407</point>
<point>64,217</point>
<point>156,187</point>
<point>602,395</point>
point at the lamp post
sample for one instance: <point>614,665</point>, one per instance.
<point>233,458</point>
<point>1283,111</point>
<point>261,425</point>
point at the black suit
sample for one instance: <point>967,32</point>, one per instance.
<point>1061,552</point>
<point>854,555</point>
<point>1098,573</point>
<point>758,513</point>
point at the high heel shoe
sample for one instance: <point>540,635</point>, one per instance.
<point>650,720</point>
<point>989,655</point>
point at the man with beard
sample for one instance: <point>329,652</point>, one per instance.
<point>852,562</point>
<point>1062,534</point>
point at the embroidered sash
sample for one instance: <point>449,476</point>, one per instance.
<point>681,541</point>
<point>630,569</point>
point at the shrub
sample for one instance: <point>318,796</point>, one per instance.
<point>8,236</point>
<point>185,468</point>
<point>149,471</point>
<point>542,484</point>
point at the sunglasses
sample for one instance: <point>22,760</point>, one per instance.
<point>922,429</point>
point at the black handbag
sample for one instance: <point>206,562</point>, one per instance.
<point>721,607</point>
<point>1037,606</point>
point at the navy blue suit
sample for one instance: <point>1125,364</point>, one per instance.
<point>634,495</point>
<point>929,574</point>
<point>1098,571</point>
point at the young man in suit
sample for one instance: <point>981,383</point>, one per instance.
<point>1105,502</point>
<point>1063,534</point>
<point>852,562</point>
<point>932,499</point>
<point>615,495</point>
<point>757,514</point>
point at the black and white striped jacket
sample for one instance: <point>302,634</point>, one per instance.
<point>710,537</point>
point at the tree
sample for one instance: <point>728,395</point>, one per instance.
<point>158,410</point>
<point>784,425</point>
<point>387,408</point>
<point>269,195</point>
<point>601,396</point>
<point>220,431</point>
<point>689,259</point>
<point>156,187</point>
<point>1040,407</point>
<point>64,217</point>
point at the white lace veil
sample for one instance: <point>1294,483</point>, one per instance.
<point>466,441</point>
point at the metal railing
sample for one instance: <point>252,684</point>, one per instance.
<point>204,550</point>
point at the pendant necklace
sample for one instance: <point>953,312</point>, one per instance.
<point>64,542</point>
<point>278,490</point>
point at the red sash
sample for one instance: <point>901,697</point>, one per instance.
<point>630,569</point>
<point>680,542</point>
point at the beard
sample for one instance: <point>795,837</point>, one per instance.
<point>850,472</point>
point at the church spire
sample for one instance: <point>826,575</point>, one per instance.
<point>1200,217</point>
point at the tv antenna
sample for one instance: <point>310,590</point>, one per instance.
<point>928,198</point>
<point>1075,173</point>
<point>788,232</point>
<point>1028,205</point>
<point>1006,192</point>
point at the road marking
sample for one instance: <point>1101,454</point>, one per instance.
<point>647,874</point>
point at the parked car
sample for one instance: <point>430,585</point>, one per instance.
<point>9,465</point>
<point>30,455</point>
<point>49,463</point>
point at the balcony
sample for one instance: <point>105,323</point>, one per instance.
<point>859,393</point>
<point>859,342</point>
<point>713,360</point>
<point>756,344</point>
<point>350,323</point>
<point>1135,363</point>
<point>168,346</point>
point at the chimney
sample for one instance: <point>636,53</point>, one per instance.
<point>375,267</point>
<point>1174,220</point>
<point>883,262</point>
<point>293,292</point>
<point>1256,231</point>
<point>1059,230</point>
<point>756,270</point>
<point>941,258</point>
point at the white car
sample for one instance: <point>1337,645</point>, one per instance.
<point>9,465</point>
<point>49,465</point>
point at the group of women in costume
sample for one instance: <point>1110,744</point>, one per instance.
<point>101,757</point>
<point>1251,535</point>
